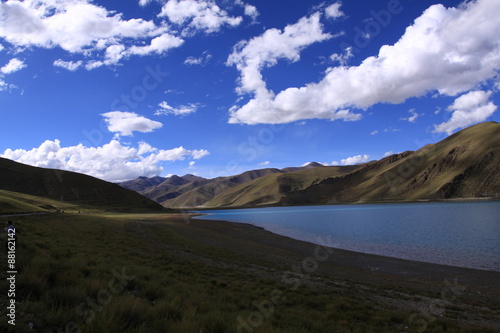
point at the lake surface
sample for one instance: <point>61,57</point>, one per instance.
<point>465,234</point>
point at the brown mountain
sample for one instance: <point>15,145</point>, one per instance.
<point>70,187</point>
<point>193,191</point>
<point>464,165</point>
<point>143,183</point>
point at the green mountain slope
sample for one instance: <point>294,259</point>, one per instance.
<point>69,187</point>
<point>464,165</point>
<point>16,203</point>
<point>191,195</point>
<point>270,189</point>
<point>193,191</point>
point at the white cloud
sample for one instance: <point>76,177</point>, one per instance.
<point>391,130</point>
<point>352,160</point>
<point>203,60</point>
<point>264,51</point>
<point>413,117</point>
<point>389,153</point>
<point>250,57</point>
<point>158,45</point>
<point>125,123</point>
<point>191,165</point>
<point>198,15</point>
<point>112,161</point>
<point>69,65</point>
<point>374,132</point>
<point>342,59</point>
<point>193,61</point>
<point>12,66</point>
<point>468,109</point>
<point>78,26</point>
<point>3,85</point>
<point>264,163</point>
<point>446,50</point>
<point>333,11</point>
<point>182,110</point>
<point>199,153</point>
<point>251,11</point>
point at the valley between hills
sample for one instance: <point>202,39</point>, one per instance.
<point>171,273</point>
<point>462,166</point>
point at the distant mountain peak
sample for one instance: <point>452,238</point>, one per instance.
<point>314,164</point>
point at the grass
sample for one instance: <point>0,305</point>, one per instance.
<point>140,273</point>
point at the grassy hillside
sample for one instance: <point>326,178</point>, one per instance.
<point>16,203</point>
<point>271,188</point>
<point>254,187</point>
<point>69,187</point>
<point>192,191</point>
<point>464,165</point>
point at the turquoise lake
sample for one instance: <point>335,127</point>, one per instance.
<point>465,234</point>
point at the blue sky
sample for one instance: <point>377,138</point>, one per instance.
<point>121,89</point>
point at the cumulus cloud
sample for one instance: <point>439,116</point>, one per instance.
<point>125,123</point>
<point>112,161</point>
<point>69,65</point>
<point>251,11</point>
<point>389,153</point>
<point>144,2</point>
<point>445,50</point>
<point>468,109</point>
<point>250,57</point>
<point>264,163</point>
<point>343,58</point>
<point>333,11</point>
<point>182,110</point>
<point>12,66</point>
<point>199,153</point>
<point>78,26</point>
<point>413,117</point>
<point>201,61</point>
<point>198,15</point>
<point>158,45</point>
<point>352,160</point>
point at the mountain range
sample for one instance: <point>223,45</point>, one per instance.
<point>464,165</point>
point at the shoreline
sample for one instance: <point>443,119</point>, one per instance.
<point>199,215</point>
<point>357,266</point>
<point>277,205</point>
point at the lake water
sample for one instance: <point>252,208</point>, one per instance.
<point>465,234</point>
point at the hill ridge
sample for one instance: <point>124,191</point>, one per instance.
<point>452,168</point>
<point>70,187</point>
